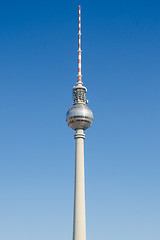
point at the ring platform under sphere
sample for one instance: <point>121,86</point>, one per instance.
<point>79,116</point>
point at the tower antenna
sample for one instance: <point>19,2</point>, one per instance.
<point>79,50</point>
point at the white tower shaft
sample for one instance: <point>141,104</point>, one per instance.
<point>79,223</point>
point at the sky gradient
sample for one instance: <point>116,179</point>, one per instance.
<point>120,68</point>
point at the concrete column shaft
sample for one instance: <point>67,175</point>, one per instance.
<point>79,224</point>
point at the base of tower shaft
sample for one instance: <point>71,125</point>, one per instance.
<point>79,223</point>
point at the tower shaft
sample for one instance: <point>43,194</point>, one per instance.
<point>79,224</point>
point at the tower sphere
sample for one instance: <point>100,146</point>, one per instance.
<point>79,116</point>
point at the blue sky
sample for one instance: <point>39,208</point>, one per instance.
<point>120,67</point>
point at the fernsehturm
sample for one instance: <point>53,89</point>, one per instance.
<point>79,117</point>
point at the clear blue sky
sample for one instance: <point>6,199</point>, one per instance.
<point>121,69</point>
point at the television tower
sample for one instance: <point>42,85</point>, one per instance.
<point>79,117</point>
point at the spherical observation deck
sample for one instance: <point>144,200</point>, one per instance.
<point>79,116</point>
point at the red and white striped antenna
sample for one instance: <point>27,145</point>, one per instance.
<point>79,82</point>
